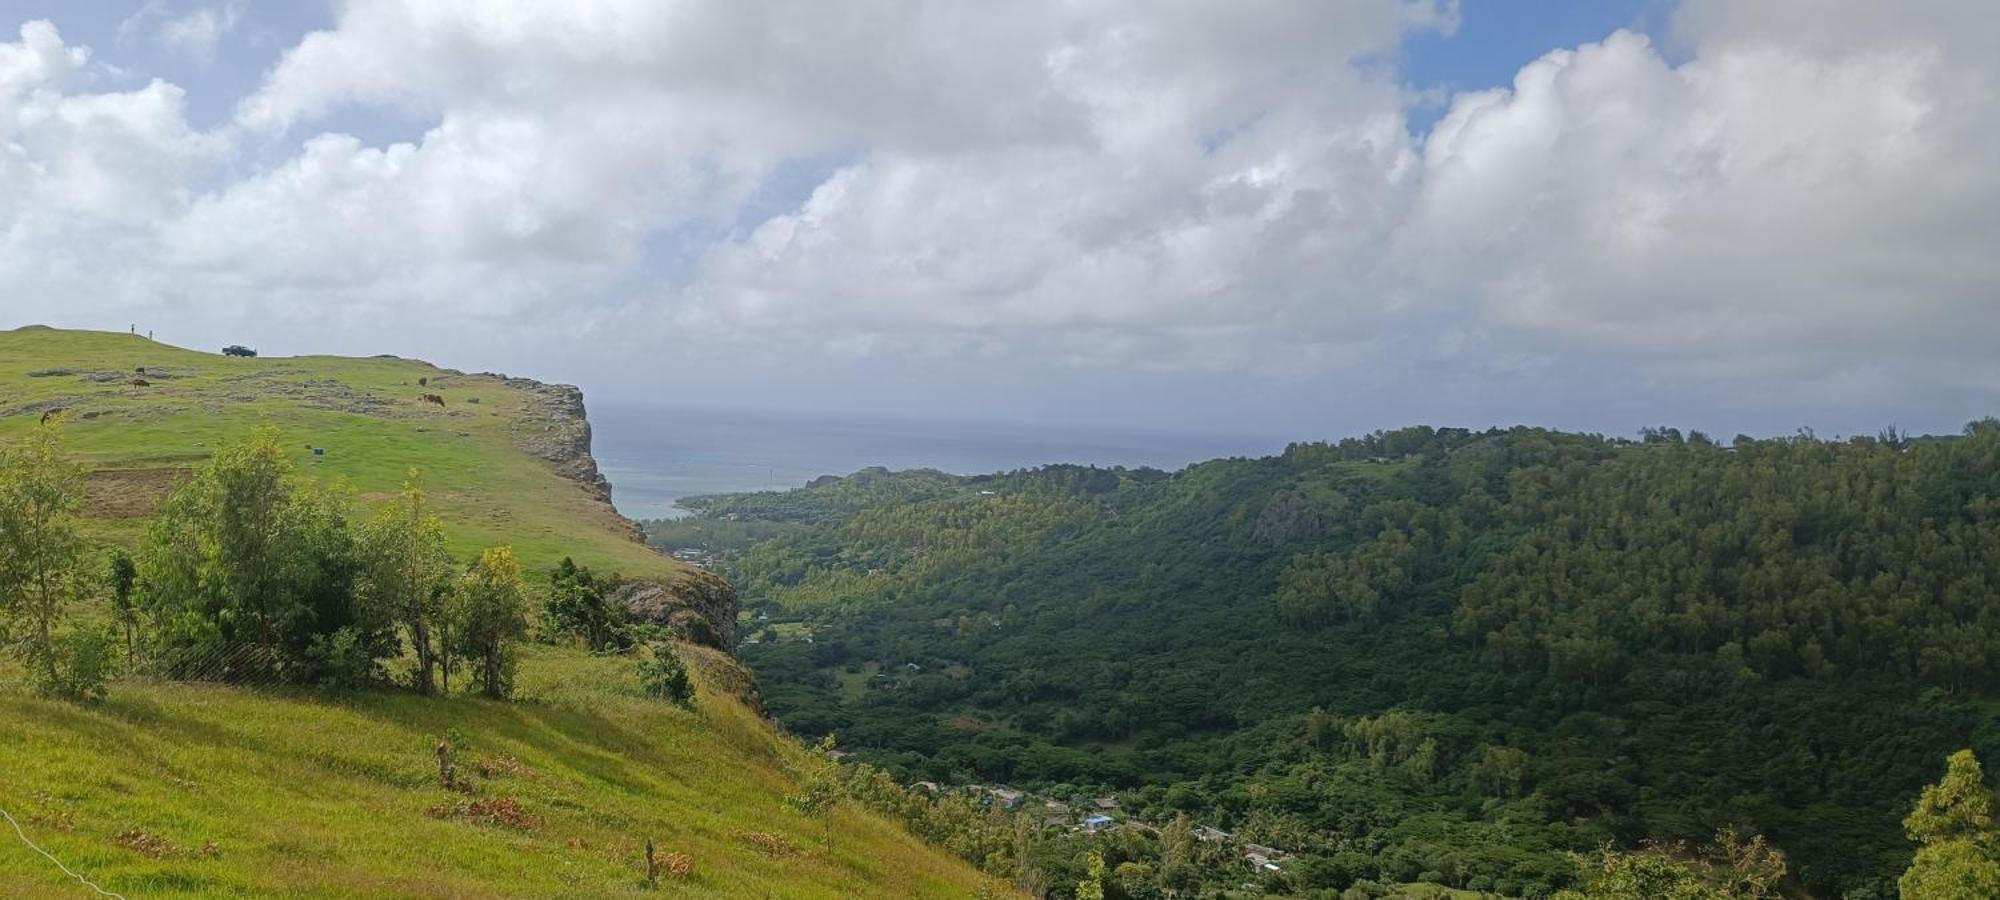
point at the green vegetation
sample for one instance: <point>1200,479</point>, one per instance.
<point>1732,869</point>
<point>407,571</point>
<point>294,767</point>
<point>490,616</point>
<point>41,566</point>
<point>250,574</point>
<point>1958,850</point>
<point>1423,655</point>
<point>663,675</point>
<point>175,789</point>
<point>581,606</point>
<point>481,453</point>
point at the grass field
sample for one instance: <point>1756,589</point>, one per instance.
<point>171,789</point>
<point>201,790</point>
<point>366,414</point>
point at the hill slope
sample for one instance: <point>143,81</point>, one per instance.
<point>205,790</point>
<point>1426,651</point>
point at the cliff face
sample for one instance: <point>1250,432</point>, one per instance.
<point>556,428</point>
<point>700,606</point>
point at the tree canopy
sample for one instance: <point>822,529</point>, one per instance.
<point>1456,652</point>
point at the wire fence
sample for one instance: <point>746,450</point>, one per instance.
<point>255,666</point>
<point>243,664</point>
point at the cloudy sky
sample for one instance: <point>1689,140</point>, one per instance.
<point>1298,218</point>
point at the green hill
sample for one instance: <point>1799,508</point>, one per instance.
<point>1429,654</point>
<point>505,460</point>
<point>176,789</point>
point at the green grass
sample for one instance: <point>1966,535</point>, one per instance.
<point>854,685</point>
<point>205,790</point>
<point>308,795</point>
<point>486,488</point>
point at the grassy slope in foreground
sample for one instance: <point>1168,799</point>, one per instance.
<point>205,790</point>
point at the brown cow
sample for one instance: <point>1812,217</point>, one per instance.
<point>432,398</point>
<point>53,413</point>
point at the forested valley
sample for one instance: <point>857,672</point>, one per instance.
<point>1475,659</point>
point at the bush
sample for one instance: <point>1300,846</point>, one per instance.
<point>345,660</point>
<point>701,632</point>
<point>583,606</point>
<point>663,675</point>
<point>83,660</point>
<point>1338,872</point>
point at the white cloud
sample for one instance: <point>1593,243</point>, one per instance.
<point>1105,181</point>
<point>1130,184</point>
<point>1795,202</point>
<point>195,33</point>
<point>85,177</point>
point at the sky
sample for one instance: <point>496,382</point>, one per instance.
<point>1302,218</point>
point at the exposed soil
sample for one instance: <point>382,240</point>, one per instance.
<point>129,493</point>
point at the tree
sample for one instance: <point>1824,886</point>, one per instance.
<point>663,675</point>
<point>407,570</point>
<point>581,605</point>
<point>1092,885</point>
<point>1734,869</point>
<point>1500,771</point>
<point>1180,862</point>
<point>819,785</point>
<point>40,550</point>
<point>492,616</point>
<point>1959,852</point>
<point>122,574</point>
<point>250,573</point>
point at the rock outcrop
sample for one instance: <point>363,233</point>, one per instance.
<point>554,428</point>
<point>700,606</point>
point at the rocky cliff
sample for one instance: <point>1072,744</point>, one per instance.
<point>555,427</point>
<point>700,606</point>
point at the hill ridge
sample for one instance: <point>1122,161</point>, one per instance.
<point>194,789</point>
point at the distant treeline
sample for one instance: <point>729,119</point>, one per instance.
<point>1426,654</point>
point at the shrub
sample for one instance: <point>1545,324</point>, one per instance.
<point>583,606</point>
<point>345,660</point>
<point>83,660</point>
<point>491,616</point>
<point>663,675</point>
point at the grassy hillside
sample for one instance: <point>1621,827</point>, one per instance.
<point>366,413</point>
<point>171,789</point>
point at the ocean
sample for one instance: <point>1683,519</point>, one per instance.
<point>653,457</point>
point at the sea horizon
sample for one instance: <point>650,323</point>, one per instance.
<point>653,457</point>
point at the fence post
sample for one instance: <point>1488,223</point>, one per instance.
<point>652,865</point>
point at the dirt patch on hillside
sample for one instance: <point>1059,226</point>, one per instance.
<point>130,493</point>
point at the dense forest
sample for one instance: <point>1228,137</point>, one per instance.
<point>1421,655</point>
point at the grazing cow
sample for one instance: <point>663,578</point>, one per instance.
<point>141,382</point>
<point>432,398</point>
<point>53,413</point>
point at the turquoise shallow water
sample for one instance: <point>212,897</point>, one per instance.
<point>655,456</point>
